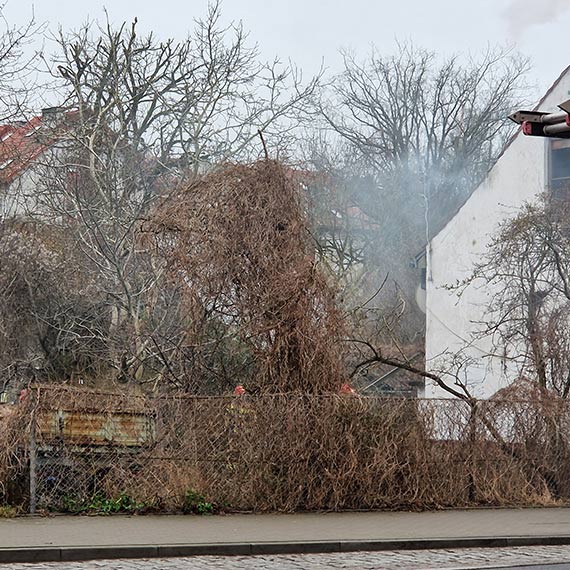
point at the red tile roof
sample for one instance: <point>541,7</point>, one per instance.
<point>20,145</point>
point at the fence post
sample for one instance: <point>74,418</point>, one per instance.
<point>472,492</point>
<point>33,464</point>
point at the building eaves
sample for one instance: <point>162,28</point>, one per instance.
<point>506,146</point>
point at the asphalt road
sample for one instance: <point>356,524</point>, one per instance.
<point>527,558</point>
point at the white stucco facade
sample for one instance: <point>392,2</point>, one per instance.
<point>519,176</point>
<point>22,197</point>
<point>19,199</point>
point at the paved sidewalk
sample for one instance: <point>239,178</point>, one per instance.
<point>82,538</point>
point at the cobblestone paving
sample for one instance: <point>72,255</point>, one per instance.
<point>392,560</point>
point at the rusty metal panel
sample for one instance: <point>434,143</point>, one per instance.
<point>47,425</point>
<point>92,428</point>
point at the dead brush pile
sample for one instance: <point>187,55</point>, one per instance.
<point>291,452</point>
<point>15,424</point>
<point>237,242</point>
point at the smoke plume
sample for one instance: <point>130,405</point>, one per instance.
<point>524,14</point>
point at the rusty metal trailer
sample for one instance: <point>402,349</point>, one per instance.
<point>63,442</point>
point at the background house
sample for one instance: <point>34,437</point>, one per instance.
<point>527,167</point>
<point>24,150</point>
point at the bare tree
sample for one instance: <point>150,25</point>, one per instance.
<point>138,116</point>
<point>422,132</point>
<point>191,103</point>
<point>17,66</point>
<point>427,127</point>
<point>528,269</point>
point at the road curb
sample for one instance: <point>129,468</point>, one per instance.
<point>79,553</point>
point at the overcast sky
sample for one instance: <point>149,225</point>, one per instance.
<point>310,31</point>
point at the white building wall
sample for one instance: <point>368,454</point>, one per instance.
<point>19,199</point>
<point>517,177</point>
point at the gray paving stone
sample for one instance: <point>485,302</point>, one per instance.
<point>389,560</point>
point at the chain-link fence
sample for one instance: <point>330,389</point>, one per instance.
<point>73,450</point>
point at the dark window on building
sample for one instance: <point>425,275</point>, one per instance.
<point>559,167</point>
<point>423,278</point>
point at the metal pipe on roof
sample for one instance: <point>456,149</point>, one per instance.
<point>554,118</point>
<point>556,129</point>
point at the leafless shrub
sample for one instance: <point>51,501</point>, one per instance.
<point>526,267</point>
<point>14,432</point>
<point>47,307</point>
<point>288,452</point>
<point>237,243</point>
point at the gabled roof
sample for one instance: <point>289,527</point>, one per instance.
<point>503,150</point>
<point>20,145</point>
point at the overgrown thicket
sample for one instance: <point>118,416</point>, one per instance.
<point>238,242</point>
<point>14,454</point>
<point>292,452</point>
<point>138,117</point>
<point>47,302</point>
<point>219,285</point>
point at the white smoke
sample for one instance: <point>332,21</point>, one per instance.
<point>524,14</point>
